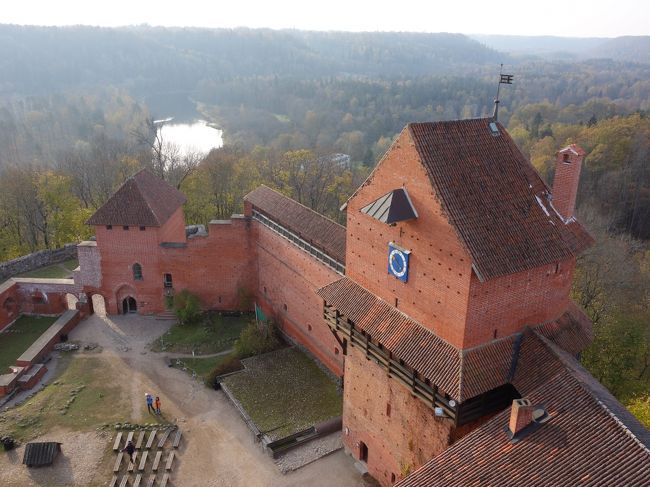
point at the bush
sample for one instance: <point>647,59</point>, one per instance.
<point>231,364</point>
<point>254,341</point>
<point>187,307</point>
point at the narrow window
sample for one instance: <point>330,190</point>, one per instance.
<point>388,409</point>
<point>285,307</point>
<point>109,227</point>
<point>392,478</point>
<point>125,227</point>
<point>336,351</point>
<point>142,228</point>
<point>565,158</point>
<point>167,281</point>
<point>137,272</point>
<point>557,268</point>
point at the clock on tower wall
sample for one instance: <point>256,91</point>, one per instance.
<point>398,262</point>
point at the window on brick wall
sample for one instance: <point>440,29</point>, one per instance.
<point>137,272</point>
<point>125,227</point>
<point>167,281</point>
<point>142,229</point>
<point>109,227</point>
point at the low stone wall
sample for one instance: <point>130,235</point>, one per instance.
<point>38,259</point>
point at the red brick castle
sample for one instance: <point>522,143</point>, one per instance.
<point>443,299</point>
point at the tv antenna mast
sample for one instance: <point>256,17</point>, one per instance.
<point>504,79</point>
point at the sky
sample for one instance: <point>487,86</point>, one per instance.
<point>572,18</point>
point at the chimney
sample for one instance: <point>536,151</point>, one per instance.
<point>567,175</point>
<point>521,415</point>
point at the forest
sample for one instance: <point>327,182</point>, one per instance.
<point>77,104</point>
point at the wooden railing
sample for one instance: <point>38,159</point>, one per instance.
<point>395,368</point>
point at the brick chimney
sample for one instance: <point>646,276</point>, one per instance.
<point>567,175</point>
<point>521,415</point>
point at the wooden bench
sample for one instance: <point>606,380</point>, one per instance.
<point>138,444</point>
<point>118,462</point>
<point>129,436</point>
<point>156,461</point>
<point>177,439</point>
<point>118,440</point>
<point>138,479</point>
<point>165,479</point>
<point>132,464</point>
<point>170,459</point>
<point>152,436</point>
<point>152,480</point>
<point>125,480</point>
<point>143,461</point>
<point>113,481</point>
<point>163,438</point>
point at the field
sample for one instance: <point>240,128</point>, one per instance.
<point>284,392</point>
<point>19,336</point>
<point>54,271</point>
<point>213,334</point>
<point>85,396</point>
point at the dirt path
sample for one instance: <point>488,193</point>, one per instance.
<point>218,449</point>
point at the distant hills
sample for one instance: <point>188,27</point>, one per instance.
<point>628,49</point>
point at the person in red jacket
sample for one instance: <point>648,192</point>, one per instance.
<point>157,405</point>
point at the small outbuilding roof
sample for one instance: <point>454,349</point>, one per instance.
<point>393,207</point>
<point>143,200</point>
<point>40,454</point>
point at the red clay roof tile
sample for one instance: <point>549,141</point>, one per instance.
<point>143,200</point>
<point>319,231</point>
<point>494,198</point>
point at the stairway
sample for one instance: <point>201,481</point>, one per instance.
<point>166,315</point>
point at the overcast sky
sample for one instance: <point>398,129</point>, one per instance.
<point>575,18</point>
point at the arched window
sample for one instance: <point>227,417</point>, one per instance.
<point>137,272</point>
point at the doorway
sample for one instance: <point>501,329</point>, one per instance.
<point>363,452</point>
<point>129,305</point>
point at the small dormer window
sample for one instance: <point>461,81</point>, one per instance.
<point>137,272</point>
<point>494,129</point>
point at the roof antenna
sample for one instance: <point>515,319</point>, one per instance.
<point>504,79</point>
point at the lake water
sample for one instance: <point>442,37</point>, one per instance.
<point>195,136</point>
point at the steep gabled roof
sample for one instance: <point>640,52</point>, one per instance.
<point>319,231</point>
<point>496,201</point>
<point>143,200</point>
<point>590,439</point>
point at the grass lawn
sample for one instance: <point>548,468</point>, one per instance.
<point>19,337</point>
<point>212,335</point>
<point>54,271</point>
<point>84,396</point>
<point>285,392</point>
<point>200,366</point>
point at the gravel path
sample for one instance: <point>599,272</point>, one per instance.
<point>217,449</point>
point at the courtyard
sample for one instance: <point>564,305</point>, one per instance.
<point>88,391</point>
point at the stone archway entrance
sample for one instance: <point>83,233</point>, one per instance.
<point>129,305</point>
<point>98,304</point>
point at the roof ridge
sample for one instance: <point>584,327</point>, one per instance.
<point>294,201</point>
<point>576,370</point>
<point>146,200</point>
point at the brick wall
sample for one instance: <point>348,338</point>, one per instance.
<point>503,306</point>
<point>436,294</point>
<point>400,431</point>
<point>565,183</point>
<point>287,281</point>
<point>9,303</point>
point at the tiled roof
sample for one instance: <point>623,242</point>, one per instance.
<point>494,198</point>
<point>143,200</point>
<point>417,346</point>
<point>462,374</point>
<point>319,231</point>
<point>589,440</point>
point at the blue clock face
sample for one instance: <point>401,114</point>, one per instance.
<point>398,262</point>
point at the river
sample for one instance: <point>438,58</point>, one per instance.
<point>194,136</point>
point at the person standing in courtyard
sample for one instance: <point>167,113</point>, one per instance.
<point>157,405</point>
<point>149,399</point>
